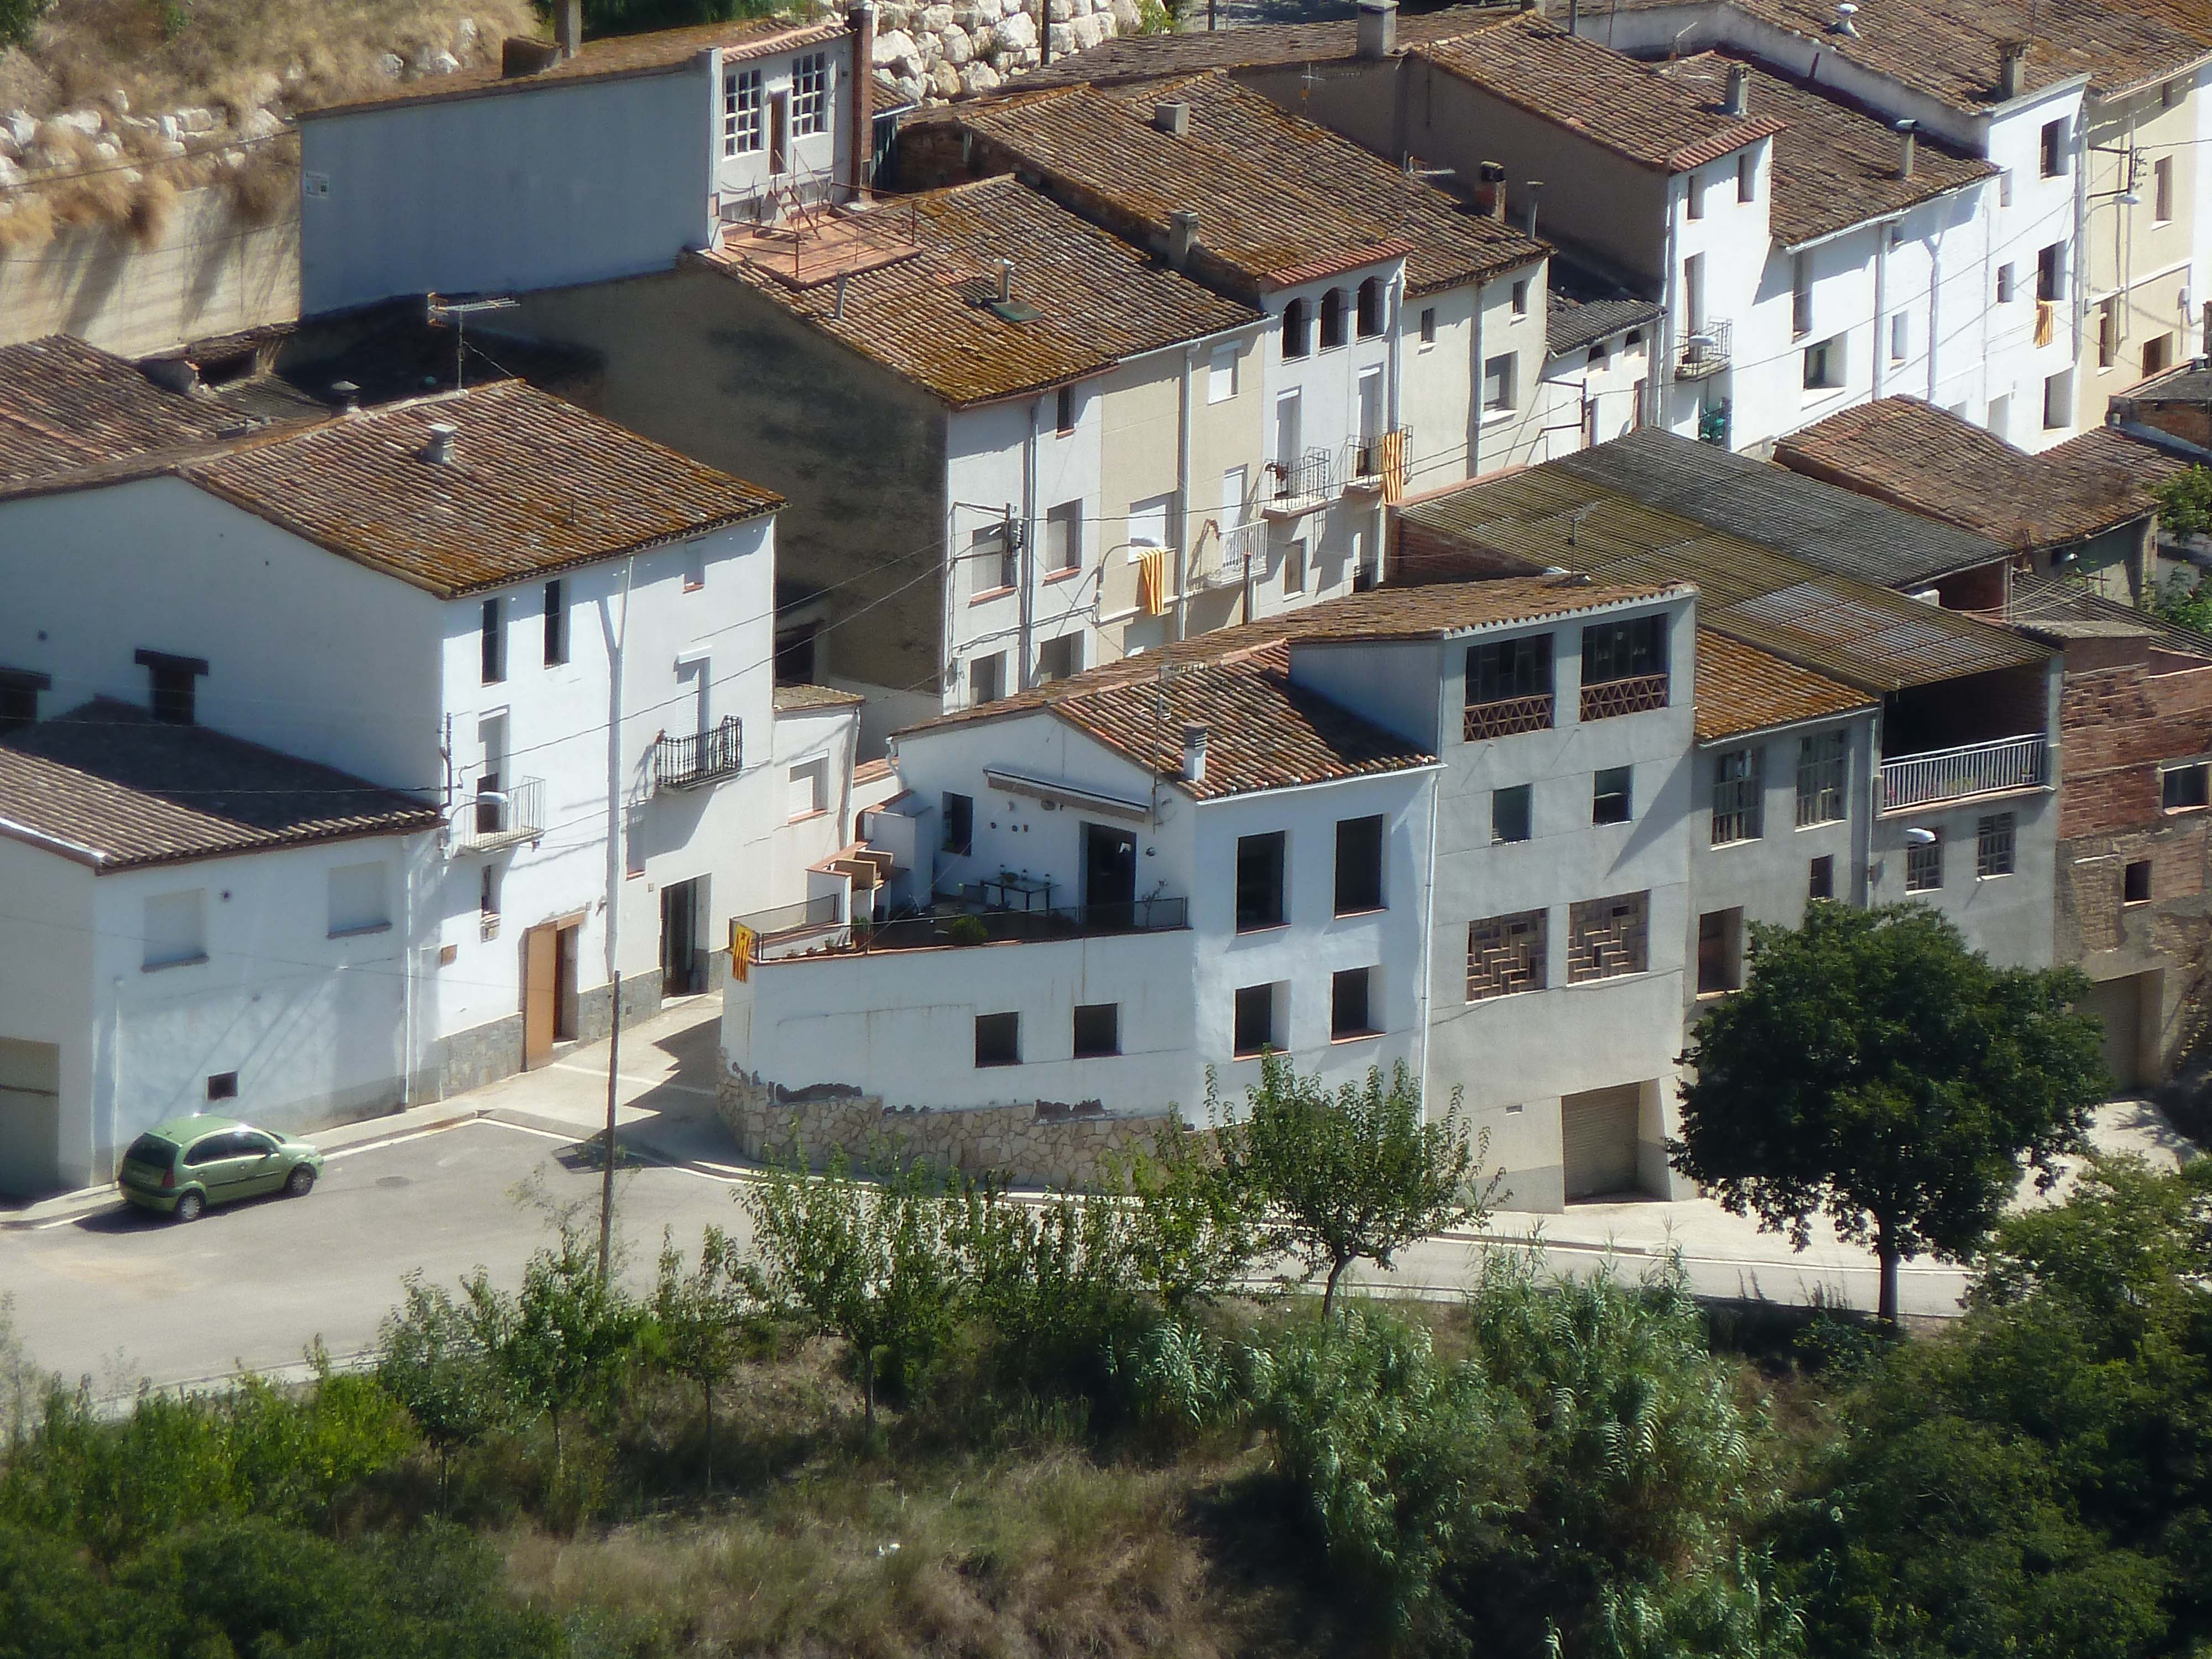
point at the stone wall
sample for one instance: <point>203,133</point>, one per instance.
<point>938,51</point>
<point>1035,1143</point>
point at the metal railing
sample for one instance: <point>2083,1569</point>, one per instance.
<point>1223,556</point>
<point>699,757</point>
<point>961,923</point>
<point>1636,695</point>
<point>1368,460</point>
<point>1704,350</point>
<point>1506,715</point>
<point>1303,482</point>
<point>1974,769</point>
<point>786,929</point>
<point>515,812</point>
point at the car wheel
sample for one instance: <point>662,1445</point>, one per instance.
<point>300,1181</point>
<point>189,1208</point>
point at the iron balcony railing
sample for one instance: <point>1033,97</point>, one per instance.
<point>1634,695</point>
<point>1371,463</point>
<point>789,929</point>
<point>1300,484</point>
<point>699,757</point>
<point>1504,716</point>
<point>1974,769</point>
<point>1224,556</point>
<point>1704,350</point>
<point>961,923</point>
<point>502,816</point>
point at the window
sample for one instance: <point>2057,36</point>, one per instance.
<point>1509,813</point>
<point>1923,861</point>
<point>1737,796</point>
<point>1371,308</point>
<point>223,1085</point>
<point>1506,671</point>
<point>1259,881</point>
<point>175,930</point>
<point>810,789</point>
<point>2108,332</point>
<point>2053,148</point>
<point>1063,539</point>
<point>1505,954</point>
<point>1059,658</point>
<point>1624,650</point>
<point>2058,401</point>
<point>1801,295</point>
<point>2004,285</point>
<point>492,646</point>
<point>1608,937</point>
<point>2004,187</point>
<point>1332,319</point>
<point>1696,204</point>
<point>1900,337</point>
<point>1428,326</point>
<point>2051,272</point>
<point>172,685</point>
<point>491,775</point>
<point>991,561</point>
<point>1148,522</point>
<point>695,567</point>
<point>358,901</point>
<point>2135,883</point>
<point>557,625</point>
<point>1294,566</point>
<point>810,94</point>
<point>1221,374</point>
<point>1611,799</point>
<point>2184,788</point>
<point>1297,328</point>
<point>998,1039</point>
<point>1824,365</point>
<point>2157,355</point>
<point>1497,384</point>
<point>2161,189</point>
<point>1255,1031</point>
<point>1820,880</point>
<point>1823,773</point>
<point>1693,293</point>
<point>794,654</point>
<point>2000,420</point>
<point>741,111</point>
<point>1993,847</point>
<point>1359,865</point>
<point>1520,301</point>
<point>1063,411</point>
<point>987,678</point>
<point>634,844</point>
<point>19,697</point>
<point>488,900</point>
<point>1349,1015</point>
<point>959,813</point>
<point>1098,1030</point>
<point>1747,178</point>
<point>1720,952</point>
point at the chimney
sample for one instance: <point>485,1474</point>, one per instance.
<point>2009,68</point>
<point>1194,753</point>
<point>1173,120</point>
<point>1739,92</point>
<point>520,54</point>
<point>1378,27</point>
<point>568,26</point>
<point>1574,17</point>
<point>860,94</point>
<point>1490,189</point>
<point>1845,10</point>
<point>1182,231</point>
<point>1535,189</point>
<point>1908,144</point>
<point>439,451</point>
<point>1005,282</point>
<point>345,396</point>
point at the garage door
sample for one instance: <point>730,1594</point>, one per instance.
<point>2119,1003</point>
<point>30,1118</point>
<point>1597,1135</point>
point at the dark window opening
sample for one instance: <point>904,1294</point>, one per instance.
<point>1259,881</point>
<point>1923,863</point>
<point>1297,328</point>
<point>1358,866</point>
<point>1370,308</point>
<point>175,681</point>
<point>556,626</point>
<point>1716,950</point>
<point>19,697</point>
<point>1256,1020</point>
<point>998,1039</point>
<point>2048,271</point>
<point>2184,787</point>
<point>223,1085</point>
<point>959,824</point>
<point>1509,813</point>
<point>1611,798</point>
<point>794,655</point>
<point>2135,883</point>
<point>1624,650</point>
<point>1510,668</point>
<point>1098,1030</point>
<point>1349,1015</point>
<point>1822,882</point>
<point>493,650</point>
<point>1332,319</point>
<point>1064,410</point>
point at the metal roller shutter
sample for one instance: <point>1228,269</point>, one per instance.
<point>1597,1137</point>
<point>30,1118</point>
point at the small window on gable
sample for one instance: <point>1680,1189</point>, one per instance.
<point>1063,411</point>
<point>810,94</point>
<point>557,625</point>
<point>174,683</point>
<point>1370,308</point>
<point>359,899</point>
<point>2135,883</point>
<point>695,567</point>
<point>1824,365</point>
<point>1332,319</point>
<point>2052,148</point>
<point>1259,881</point>
<point>810,789</point>
<point>1747,178</point>
<point>175,931</point>
<point>1520,298</point>
<point>1696,207</point>
<point>1297,328</point>
<point>1221,374</point>
<point>2004,285</point>
<point>491,644</point>
<point>1359,843</point>
<point>1428,325</point>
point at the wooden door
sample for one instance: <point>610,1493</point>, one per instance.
<point>541,956</point>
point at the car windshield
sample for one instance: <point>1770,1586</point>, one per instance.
<point>149,1149</point>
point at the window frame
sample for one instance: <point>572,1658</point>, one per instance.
<point>1064,524</point>
<point>1360,886</point>
<point>1623,782</point>
<point>1343,985</point>
<point>1335,331</point>
<point>1296,328</point>
<point>1526,794</point>
<point>1369,320</point>
<point>1996,846</point>
<point>956,824</point>
<point>810,94</point>
<point>744,112</point>
<point>1001,1033</point>
<point>1267,847</point>
<point>491,643</point>
<point>1738,795</point>
<point>1924,862</point>
<point>1245,997</point>
<point>2200,796</point>
<point>1820,877</point>
<point>1077,1047</point>
<point>1224,364</point>
<point>1824,779</point>
<point>1629,648</point>
<point>1501,368</point>
<point>556,623</point>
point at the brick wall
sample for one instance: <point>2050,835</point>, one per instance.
<point>2115,725</point>
<point>2192,422</point>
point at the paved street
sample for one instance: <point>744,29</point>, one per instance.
<point>477,1181</point>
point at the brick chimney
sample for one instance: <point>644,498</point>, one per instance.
<point>1490,189</point>
<point>2010,67</point>
<point>860,94</point>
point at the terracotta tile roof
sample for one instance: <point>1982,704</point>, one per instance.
<point>1606,98</point>
<point>1927,460</point>
<point>1743,689</point>
<point>1451,243</point>
<point>1835,162</point>
<point>534,485</point>
<point>1099,152</point>
<point>123,790</point>
<point>66,407</point>
<point>1262,731</point>
<point>606,58</point>
<point>1449,609</point>
<point>1253,45</point>
<point>928,318</point>
<point>798,699</point>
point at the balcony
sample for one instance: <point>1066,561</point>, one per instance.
<point>1506,715</point>
<point>791,929</point>
<point>700,758</point>
<point>1299,486</point>
<point>1638,694</point>
<point>956,922</point>
<point>1224,556</point>
<point>1704,350</point>
<point>500,818</point>
<point>1377,465</point>
<point>1975,769</point>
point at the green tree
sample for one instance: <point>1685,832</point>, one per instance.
<point>1349,1176</point>
<point>1876,1070</point>
<point>17,19</point>
<point>698,1319</point>
<point>2184,502</point>
<point>1195,1230</point>
<point>432,1359</point>
<point>2186,601</point>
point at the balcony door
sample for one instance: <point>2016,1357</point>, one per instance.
<point>1110,875</point>
<point>681,960</point>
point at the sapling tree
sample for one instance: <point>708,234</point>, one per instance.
<point>697,1324</point>
<point>432,1360</point>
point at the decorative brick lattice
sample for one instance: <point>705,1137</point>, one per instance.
<point>1608,937</point>
<point>1505,954</point>
<point>1634,695</point>
<point>1506,716</point>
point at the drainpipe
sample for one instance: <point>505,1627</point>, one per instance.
<point>1474,390</point>
<point>1393,327</point>
<point>1028,542</point>
<point>1182,494</point>
<point>1881,320</point>
<point>1426,1001</point>
<point>1936,307</point>
<point>1670,284</point>
<point>2077,256</point>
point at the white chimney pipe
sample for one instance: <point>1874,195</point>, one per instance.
<point>2010,68</point>
<point>439,449</point>
<point>1378,27</point>
<point>1908,147</point>
<point>1172,118</point>
<point>1182,231</point>
<point>1739,91</point>
<point>1194,753</point>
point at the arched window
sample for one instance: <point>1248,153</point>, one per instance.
<point>1298,330</point>
<point>1370,308</point>
<point>1332,319</point>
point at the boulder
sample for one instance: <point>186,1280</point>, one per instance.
<point>1016,34</point>
<point>259,124</point>
<point>118,100</point>
<point>168,146</point>
<point>979,77</point>
<point>984,41</point>
<point>1086,31</point>
<point>935,20</point>
<point>990,11</point>
<point>1107,29</point>
<point>896,53</point>
<point>1057,11</point>
<point>966,16</point>
<point>261,89</point>
<point>9,173</point>
<point>105,151</point>
<point>945,80</point>
<point>1127,18</point>
<point>959,50</point>
<point>22,126</point>
<point>464,34</point>
<point>1063,39</point>
<point>910,88</point>
<point>198,118</point>
<point>83,121</point>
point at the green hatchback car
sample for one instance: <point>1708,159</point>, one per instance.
<point>181,1167</point>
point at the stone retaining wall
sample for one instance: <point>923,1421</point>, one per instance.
<point>1036,1143</point>
<point>938,51</point>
